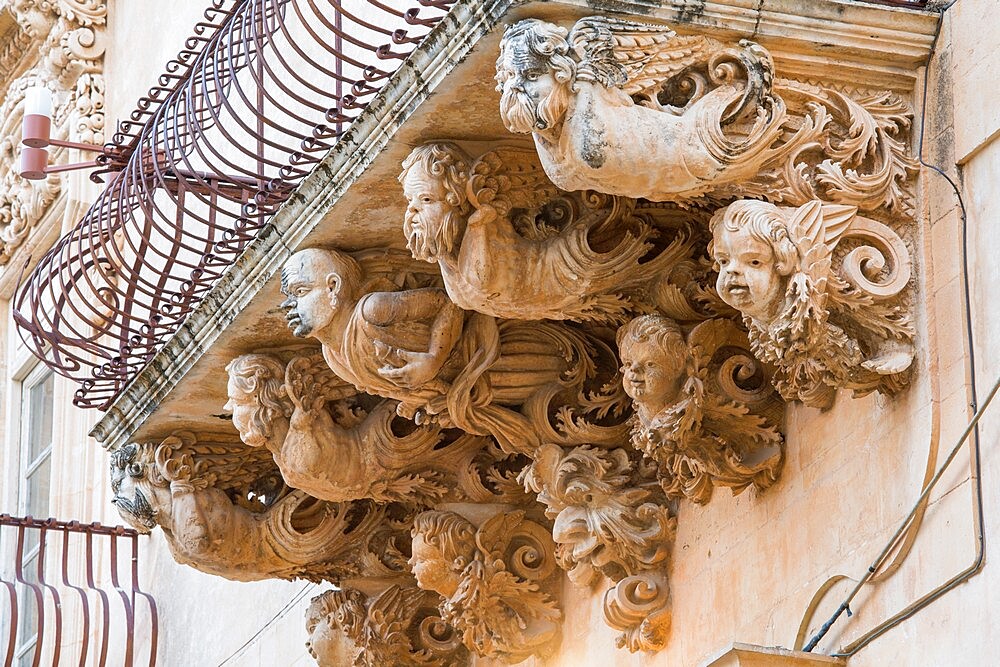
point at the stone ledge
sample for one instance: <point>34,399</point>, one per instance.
<point>750,655</point>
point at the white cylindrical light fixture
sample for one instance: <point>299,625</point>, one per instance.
<point>36,127</point>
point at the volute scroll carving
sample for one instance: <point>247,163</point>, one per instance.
<point>494,580</point>
<point>821,291</point>
<point>634,109</point>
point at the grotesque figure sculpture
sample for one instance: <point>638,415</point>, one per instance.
<point>820,305</point>
<point>489,578</point>
<point>633,109</point>
<point>330,447</point>
<point>192,489</point>
<point>399,626</point>
<point>415,346</point>
<point>704,409</point>
<point>510,245</point>
<point>577,94</point>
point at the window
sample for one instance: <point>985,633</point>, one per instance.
<point>33,485</point>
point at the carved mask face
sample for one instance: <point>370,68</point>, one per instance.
<point>430,217</point>
<point>650,377</point>
<point>431,569</point>
<point>127,474</point>
<point>245,409</point>
<point>328,644</point>
<point>749,280</point>
<point>310,302</point>
<point>532,99</point>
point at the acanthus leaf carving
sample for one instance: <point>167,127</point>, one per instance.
<point>639,606</point>
<point>491,579</point>
<point>401,625</point>
<point>821,290</point>
<point>633,109</point>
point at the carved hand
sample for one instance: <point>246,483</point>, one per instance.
<point>417,369</point>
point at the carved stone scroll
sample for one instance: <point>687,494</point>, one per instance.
<point>511,245</point>
<point>400,626</point>
<point>639,606</point>
<point>493,579</point>
<point>633,109</point>
<point>228,513</point>
<point>504,378</point>
<point>822,292</point>
<point>705,410</point>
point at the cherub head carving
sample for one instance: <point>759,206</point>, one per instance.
<point>755,255</point>
<point>434,180</point>
<point>654,358</point>
<point>444,543</point>
<point>258,400</point>
<point>133,472</point>
<point>535,73</point>
<point>317,283</point>
<point>334,621</point>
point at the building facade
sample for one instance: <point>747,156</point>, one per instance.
<point>490,332</point>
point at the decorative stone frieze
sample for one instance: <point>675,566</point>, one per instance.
<point>821,290</point>
<point>465,370</point>
<point>634,109</point>
<point>494,579</point>
<point>400,626</point>
<point>509,244</point>
<point>226,511</point>
<point>704,408</point>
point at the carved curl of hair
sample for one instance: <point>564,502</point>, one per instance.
<point>660,331</point>
<point>260,377</point>
<point>765,224</point>
<point>449,533</point>
<point>544,40</point>
<point>446,162</point>
<point>343,608</point>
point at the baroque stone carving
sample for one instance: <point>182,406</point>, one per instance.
<point>704,408</point>
<point>639,606</point>
<point>464,370</point>
<point>633,109</point>
<point>336,445</point>
<point>510,245</point>
<point>491,579</point>
<point>226,512</point>
<point>821,292</point>
<point>400,626</point>
<point>60,45</point>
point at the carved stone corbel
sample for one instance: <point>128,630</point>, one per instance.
<point>509,244</point>
<point>494,579</point>
<point>226,512</point>
<point>821,290</point>
<point>400,625</point>
<point>705,411</point>
<point>634,109</point>
<point>504,378</point>
<point>612,518</point>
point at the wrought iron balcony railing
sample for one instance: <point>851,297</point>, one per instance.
<point>42,594</point>
<point>262,91</point>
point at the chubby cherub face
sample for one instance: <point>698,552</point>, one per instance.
<point>328,644</point>
<point>431,569</point>
<point>650,376</point>
<point>749,279</point>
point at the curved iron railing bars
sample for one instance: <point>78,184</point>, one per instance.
<point>260,93</point>
<point>38,591</point>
